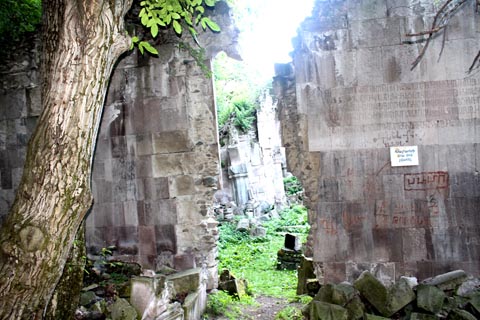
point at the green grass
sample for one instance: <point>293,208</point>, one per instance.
<point>255,259</point>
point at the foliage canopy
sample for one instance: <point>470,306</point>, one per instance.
<point>16,18</point>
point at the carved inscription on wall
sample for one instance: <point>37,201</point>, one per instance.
<point>391,114</point>
<point>426,181</point>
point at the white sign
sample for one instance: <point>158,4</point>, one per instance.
<point>404,156</point>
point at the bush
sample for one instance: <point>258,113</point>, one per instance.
<point>292,186</point>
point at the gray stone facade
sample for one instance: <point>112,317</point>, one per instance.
<point>351,96</point>
<point>156,162</point>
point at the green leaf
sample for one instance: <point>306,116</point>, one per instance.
<point>177,27</point>
<point>212,25</point>
<point>154,30</point>
<point>210,3</point>
<point>149,47</point>
<point>203,23</point>
<point>200,9</point>
<point>140,46</point>
<point>175,16</point>
<point>144,19</point>
<point>188,20</point>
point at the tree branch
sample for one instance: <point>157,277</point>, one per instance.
<point>440,22</point>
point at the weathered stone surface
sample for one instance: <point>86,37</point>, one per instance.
<point>374,317</point>
<point>430,298</point>
<point>460,315</point>
<point>343,293</point>
<point>234,286</point>
<point>469,287</point>
<point>122,310</point>
<point>349,99</point>
<point>400,294</point>
<point>374,291</point>
<point>243,224</point>
<point>448,281</point>
<point>305,273</point>
<point>327,311</point>
<point>186,281</point>
<point>356,308</point>
<point>422,316</point>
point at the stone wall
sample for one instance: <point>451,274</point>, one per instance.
<point>156,162</point>
<point>347,99</point>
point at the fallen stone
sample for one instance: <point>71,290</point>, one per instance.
<point>430,298</point>
<point>468,287</point>
<point>258,232</point>
<point>412,281</point>
<point>399,295</point>
<point>374,317</point>
<point>243,225</point>
<point>306,277</point>
<point>122,310</point>
<point>447,281</point>
<point>458,314</point>
<point>229,283</point>
<point>355,308</point>
<point>326,311</point>
<point>475,302</point>
<point>422,316</point>
<point>88,298</point>
<point>186,281</point>
<point>325,293</point>
<point>343,293</point>
<point>374,291</point>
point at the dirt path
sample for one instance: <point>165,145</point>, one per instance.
<point>266,309</point>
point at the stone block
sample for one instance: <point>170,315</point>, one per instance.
<point>400,294</point>
<point>142,292</point>
<point>144,145</point>
<point>414,244</point>
<point>327,311</point>
<point>430,298</point>
<point>374,317</point>
<point>374,291</point>
<point>355,308</point>
<point>458,314</point>
<point>186,281</point>
<point>343,293</point>
<point>447,281</point>
<point>243,225</point>
<point>305,272</point>
<point>325,294</point>
<point>166,238</point>
<point>147,240</point>
<point>184,261</point>
<point>292,242</point>
<point>171,142</point>
<point>156,188</point>
<point>122,310</point>
<point>231,284</point>
<point>182,185</point>
<point>422,316</point>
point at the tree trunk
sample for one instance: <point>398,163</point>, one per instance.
<point>82,41</point>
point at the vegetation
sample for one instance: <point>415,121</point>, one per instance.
<point>17,17</point>
<point>255,260</point>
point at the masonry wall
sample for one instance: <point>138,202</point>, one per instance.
<point>348,97</point>
<point>156,162</point>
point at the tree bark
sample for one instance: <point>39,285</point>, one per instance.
<point>82,41</point>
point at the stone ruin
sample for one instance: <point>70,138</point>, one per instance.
<point>347,101</point>
<point>452,295</point>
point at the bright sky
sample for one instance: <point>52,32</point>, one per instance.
<point>271,26</point>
